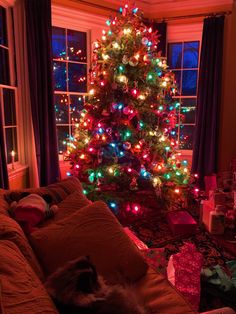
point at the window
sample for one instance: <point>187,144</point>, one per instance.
<point>183,60</point>
<point>7,85</point>
<point>70,79</point>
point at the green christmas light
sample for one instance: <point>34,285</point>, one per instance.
<point>150,77</point>
<point>141,124</point>
<point>85,192</point>
<point>121,68</point>
<point>178,173</point>
<point>160,108</point>
<point>167,148</point>
<point>99,174</point>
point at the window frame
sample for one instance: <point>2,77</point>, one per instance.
<point>11,55</point>
<point>68,93</point>
<point>188,31</point>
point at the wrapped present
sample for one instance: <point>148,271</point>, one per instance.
<point>156,258</point>
<point>207,207</point>
<point>184,270</point>
<point>217,197</point>
<point>181,222</point>
<point>210,183</point>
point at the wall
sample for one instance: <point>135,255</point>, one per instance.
<point>227,144</point>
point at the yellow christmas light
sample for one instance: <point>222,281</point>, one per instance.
<point>127,31</point>
<point>105,57</point>
<point>110,170</point>
<point>142,97</point>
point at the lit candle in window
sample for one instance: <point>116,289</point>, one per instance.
<point>12,159</point>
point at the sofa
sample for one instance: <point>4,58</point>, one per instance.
<point>79,228</point>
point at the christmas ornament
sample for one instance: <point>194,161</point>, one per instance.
<point>125,59</point>
<point>127,145</point>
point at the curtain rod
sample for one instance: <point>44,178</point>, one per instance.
<point>99,6</point>
<point>211,14</point>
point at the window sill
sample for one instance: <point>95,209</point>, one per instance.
<point>17,170</point>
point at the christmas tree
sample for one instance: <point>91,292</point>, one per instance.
<point>126,139</point>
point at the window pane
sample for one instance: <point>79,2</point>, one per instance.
<point>77,74</point>
<point>59,75</point>
<point>3,27</point>
<point>191,50</point>
<point>77,46</point>
<point>186,136</point>
<point>175,55</point>
<point>178,81</point>
<point>4,67</point>
<point>9,106</point>
<point>11,142</point>
<point>189,114</point>
<point>189,82</point>
<point>58,43</point>
<point>61,109</point>
<point>76,105</point>
<point>62,137</point>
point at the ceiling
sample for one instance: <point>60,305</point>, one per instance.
<point>163,8</point>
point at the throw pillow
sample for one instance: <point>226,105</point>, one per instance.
<point>93,231</point>
<point>68,206</point>
<point>22,291</point>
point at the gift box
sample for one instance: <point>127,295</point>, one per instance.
<point>184,271</point>
<point>181,222</point>
<point>207,207</point>
<point>210,183</point>
<point>217,197</point>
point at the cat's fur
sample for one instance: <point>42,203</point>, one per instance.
<point>77,288</point>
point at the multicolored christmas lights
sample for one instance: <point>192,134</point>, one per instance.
<point>126,137</point>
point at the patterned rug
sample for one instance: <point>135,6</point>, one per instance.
<point>152,228</point>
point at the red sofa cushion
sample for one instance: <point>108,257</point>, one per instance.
<point>93,231</point>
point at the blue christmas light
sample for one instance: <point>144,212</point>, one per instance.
<point>121,9</point>
<point>173,132</point>
<point>121,153</point>
<point>135,10</point>
<point>185,162</point>
<point>120,106</point>
<point>100,130</point>
<point>68,174</point>
<point>112,205</point>
<point>113,144</point>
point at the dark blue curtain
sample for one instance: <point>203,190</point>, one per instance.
<point>38,33</point>
<point>205,149</point>
<point>3,163</point>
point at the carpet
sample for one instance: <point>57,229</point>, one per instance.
<point>150,225</point>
